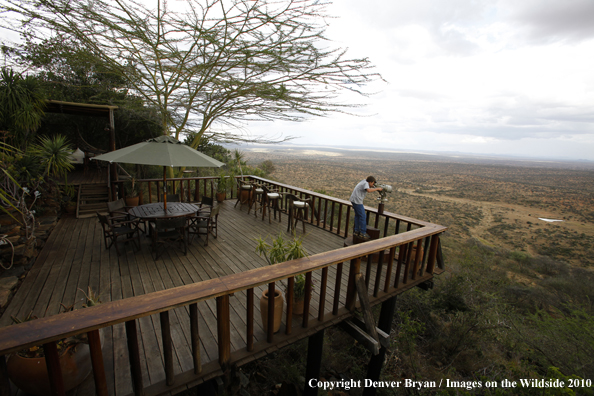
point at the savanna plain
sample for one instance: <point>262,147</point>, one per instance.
<point>516,299</point>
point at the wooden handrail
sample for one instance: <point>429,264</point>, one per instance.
<point>53,328</point>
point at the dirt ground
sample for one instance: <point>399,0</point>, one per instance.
<point>496,201</point>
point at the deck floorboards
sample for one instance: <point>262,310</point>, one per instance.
<point>74,259</point>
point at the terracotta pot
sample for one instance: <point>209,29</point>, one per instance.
<point>71,208</point>
<point>30,374</point>
<point>221,196</point>
<point>413,255</point>
<point>132,201</point>
<point>278,309</point>
<point>298,305</point>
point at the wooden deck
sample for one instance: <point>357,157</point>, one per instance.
<point>75,258</point>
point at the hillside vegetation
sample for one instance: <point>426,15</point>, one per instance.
<point>516,299</point>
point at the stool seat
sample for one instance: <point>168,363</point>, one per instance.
<point>273,195</point>
<point>300,204</point>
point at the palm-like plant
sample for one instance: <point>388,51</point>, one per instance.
<point>54,154</point>
<point>281,250</point>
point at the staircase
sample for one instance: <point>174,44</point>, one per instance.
<point>91,198</point>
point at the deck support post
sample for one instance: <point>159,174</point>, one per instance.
<point>4,383</point>
<point>314,362</point>
<point>376,362</point>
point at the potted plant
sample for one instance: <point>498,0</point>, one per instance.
<point>279,251</point>
<point>132,198</point>
<point>299,294</point>
<point>27,368</point>
<point>223,183</point>
<point>69,198</point>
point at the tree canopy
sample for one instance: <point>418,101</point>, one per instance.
<point>207,63</point>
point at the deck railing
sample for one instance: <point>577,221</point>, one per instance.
<point>396,271</point>
<point>330,213</point>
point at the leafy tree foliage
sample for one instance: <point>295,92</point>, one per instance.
<point>66,71</point>
<point>21,106</point>
<point>210,61</point>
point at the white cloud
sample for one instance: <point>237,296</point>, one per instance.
<point>481,76</point>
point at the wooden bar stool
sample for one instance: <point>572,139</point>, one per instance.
<point>270,200</point>
<point>256,199</point>
<point>244,193</point>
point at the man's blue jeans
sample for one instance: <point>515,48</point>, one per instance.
<point>360,218</point>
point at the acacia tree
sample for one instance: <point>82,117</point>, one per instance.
<point>207,62</point>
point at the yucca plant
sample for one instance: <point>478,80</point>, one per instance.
<point>281,249</point>
<point>54,154</point>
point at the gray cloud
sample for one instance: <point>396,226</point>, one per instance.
<point>543,21</point>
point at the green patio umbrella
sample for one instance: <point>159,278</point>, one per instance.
<point>163,151</point>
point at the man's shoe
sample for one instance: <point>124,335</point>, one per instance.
<point>365,236</point>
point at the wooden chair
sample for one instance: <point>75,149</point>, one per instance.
<point>202,224</point>
<point>114,230</point>
<point>206,203</point>
<point>173,198</point>
<point>119,211</point>
<point>168,232</point>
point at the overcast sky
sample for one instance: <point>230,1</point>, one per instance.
<point>511,77</point>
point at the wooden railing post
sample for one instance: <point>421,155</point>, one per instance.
<point>97,362</point>
<point>52,361</point>
<point>290,300</point>
<point>134,356</point>
<point>195,335</point>
<point>271,295</point>
<point>307,301</point>
<point>167,346</point>
<point>351,296</point>
<point>250,319</point>
<point>224,330</point>
<point>323,287</point>
<point>337,285</point>
<point>391,257</point>
<point>432,254</point>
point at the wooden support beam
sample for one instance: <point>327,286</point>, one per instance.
<point>361,336</point>
<point>376,362</point>
<point>4,383</point>
<point>384,338</point>
<point>314,361</point>
<point>366,307</point>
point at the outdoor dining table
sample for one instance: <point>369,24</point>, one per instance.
<point>156,210</point>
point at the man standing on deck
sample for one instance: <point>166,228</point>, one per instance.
<point>356,199</point>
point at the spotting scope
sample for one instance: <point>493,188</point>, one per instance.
<point>386,188</point>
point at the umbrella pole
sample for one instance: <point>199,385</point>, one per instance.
<point>165,188</point>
